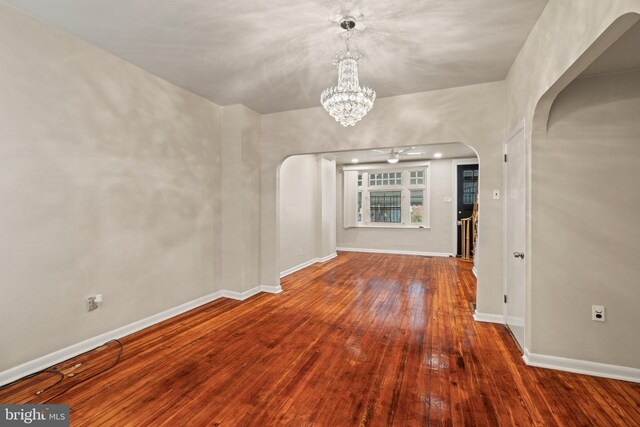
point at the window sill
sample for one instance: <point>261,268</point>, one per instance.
<point>395,227</point>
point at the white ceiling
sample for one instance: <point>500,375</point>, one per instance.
<point>426,152</point>
<point>276,55</point>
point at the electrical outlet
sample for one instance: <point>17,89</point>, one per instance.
<point>94,302</point>
<point>597,313</point>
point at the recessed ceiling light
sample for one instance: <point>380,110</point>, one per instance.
<point>354,160</point>
<point>437,155</point>
<point>414,154</point>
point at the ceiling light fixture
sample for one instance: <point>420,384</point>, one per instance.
<point>437,155</point>
<point>348,103</point>
<point>354,160</point>
<point>393,157</point>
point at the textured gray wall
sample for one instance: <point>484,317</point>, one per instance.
<point>107,185</point>
<point>586,239</point>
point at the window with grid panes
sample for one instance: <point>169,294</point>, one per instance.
<point>392,197</point>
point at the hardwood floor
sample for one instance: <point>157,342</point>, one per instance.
<point>364,339</point>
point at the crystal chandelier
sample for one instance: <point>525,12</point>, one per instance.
<point>348,103</point>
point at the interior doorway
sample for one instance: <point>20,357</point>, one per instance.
<point>466,194</point>
<point>466,174</point>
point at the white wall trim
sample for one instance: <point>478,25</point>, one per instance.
<point>385,166</point>
<point>12,374</point>
<point>270,289</point>
<point>488,318</point>
<point>241,296</point>
<point>306,264</point>
<point>474,270</point>
<point>393,251</point>
<point>328,257</point>
<point>581,367</point>
<point>295,268</point>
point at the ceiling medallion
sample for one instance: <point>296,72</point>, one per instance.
<point>348,103</point>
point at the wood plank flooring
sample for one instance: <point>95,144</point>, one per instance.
<point>364,339</point>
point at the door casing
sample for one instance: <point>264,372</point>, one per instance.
<point>518,131</point>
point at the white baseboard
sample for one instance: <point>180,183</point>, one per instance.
<point>271,289</point>
<point>61,355</point>
<point>488,318</point>
<point>307,264</point>
<point>582,367</point>
<point>328,257</point>
<point>394,252</point>
<point>474,271</point>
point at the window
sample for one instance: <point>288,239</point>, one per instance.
<point>417,206</point>
<point>469,186</point>
<point>416,177</point>
<point>385,206</point>
<point>385,179</point>
<point>386,195</point>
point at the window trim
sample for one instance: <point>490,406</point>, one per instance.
<point>405,168</point>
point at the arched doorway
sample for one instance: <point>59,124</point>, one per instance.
<point>583,193</point>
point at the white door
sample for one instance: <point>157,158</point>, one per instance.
<point>515,235</point>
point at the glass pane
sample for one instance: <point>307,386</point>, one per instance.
<point>469,186</point>
<point>359,206</point>
<point>469,192</point>
<point>385,206</point>
<point>359,180</point>
<point>417,206</point>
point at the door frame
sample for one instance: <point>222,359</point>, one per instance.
<point>454,201</point>
<point>520,127</point>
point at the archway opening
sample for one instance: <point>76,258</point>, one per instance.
<point>584,194</point>
<point>403,199</point>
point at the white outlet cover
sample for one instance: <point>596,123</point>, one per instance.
<point>597,313</point>
<point>496,194</point>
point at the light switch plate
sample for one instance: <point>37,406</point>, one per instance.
<point>447,199</point>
